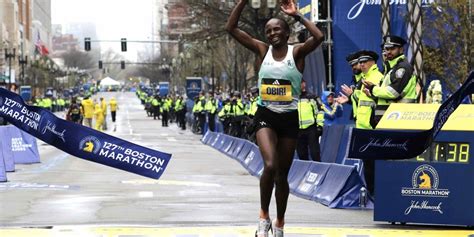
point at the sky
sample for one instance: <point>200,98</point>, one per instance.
<point>114,19</point>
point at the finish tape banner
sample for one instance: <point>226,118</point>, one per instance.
<point>395,145</point>
<point>80,141</point>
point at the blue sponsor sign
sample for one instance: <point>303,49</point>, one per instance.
<point>164,88</point>
<point>425,192</point>
<point>22,146</point>
<point>193,86</point>
<point>80,141</point>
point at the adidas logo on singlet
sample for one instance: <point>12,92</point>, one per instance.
<point>276,82</point>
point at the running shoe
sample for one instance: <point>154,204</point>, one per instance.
<point>277,231</point>
<point>264,225</point>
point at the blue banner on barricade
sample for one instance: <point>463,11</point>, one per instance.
<point>205,139</point>
<point>296,175</point>
<point>215,140</point>
<point>343,143</point>
<point>253,162</point>
<point>80,141</point>
<point>3,173</point>
<point>310,182</point>
<point>394,144</point>
<point>332,135</point>
<point>22,145</point>
<point>244,151</point>
<point>220,144</point>
<point>238,145</point>
<point>227,144</point>
<point>6,153</point>
<point>335,180</point>
<point>350,193</point>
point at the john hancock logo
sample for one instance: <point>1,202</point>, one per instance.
<point>90,144</point>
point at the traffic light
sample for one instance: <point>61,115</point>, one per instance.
<point>123,42</point>
<point>100,64</point>
<point>87,44</point>
<point>122,64</point>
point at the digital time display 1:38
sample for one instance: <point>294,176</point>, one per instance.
<point>450,152</point>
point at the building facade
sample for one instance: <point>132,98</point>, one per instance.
<point>22,24</point>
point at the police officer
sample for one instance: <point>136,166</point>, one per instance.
<point>353,92</point>
<point>155,104</point>
<point>399,82</point>
<point>239,110</point>
<point>165,108</point>
<point>309,133</point>
<point>366,104</point>
<point>180,108</point>
<point>211,109</point>
<point>253,102</point>
<point>226,115</point>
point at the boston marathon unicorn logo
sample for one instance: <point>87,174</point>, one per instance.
<point>90,144</point>
<point>425,177</point>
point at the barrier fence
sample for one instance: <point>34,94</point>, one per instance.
<point>332,183</point>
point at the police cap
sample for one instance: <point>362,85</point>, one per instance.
<point>390,41</point>
<point>352,58</point>
<point>367,55</point>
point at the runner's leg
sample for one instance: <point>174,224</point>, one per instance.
<point>267,141</point>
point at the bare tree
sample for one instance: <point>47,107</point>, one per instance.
<point>111,63</point>
<point>75,58</point>
<point>448,35</point>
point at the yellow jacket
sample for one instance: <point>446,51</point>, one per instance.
<point>113,104</point>
<point>88,106</point>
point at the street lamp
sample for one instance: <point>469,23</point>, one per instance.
<point>23,61</point>
<point>9,55</point>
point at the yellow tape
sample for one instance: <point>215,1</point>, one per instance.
<point>237,231</point>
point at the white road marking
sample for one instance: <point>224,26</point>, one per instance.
<point>171,139</point>
<point>170,182</point>
<point>145,194</point>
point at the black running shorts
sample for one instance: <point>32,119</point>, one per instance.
<point>284,124</point>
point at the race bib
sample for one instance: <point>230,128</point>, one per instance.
<point>276,90</point>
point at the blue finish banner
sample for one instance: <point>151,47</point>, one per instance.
<point>80,141</point>
<point>392,145</point>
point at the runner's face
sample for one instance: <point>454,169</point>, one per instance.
<point>276,32</point>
